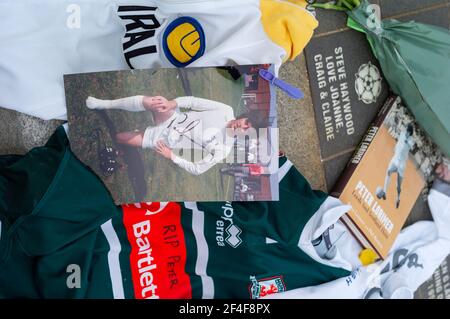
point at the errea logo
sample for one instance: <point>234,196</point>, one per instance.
<point>233,238</point>
<point>226,230</point>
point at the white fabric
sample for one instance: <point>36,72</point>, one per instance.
<point>418,251</point>
<point>41,40</point>
<point>201,264</point>
<point>153,134</point>
<point>130,104</point>
<point>113,259</point>
<point>284,169</point>
<point>401,152</point>
<point>327,215</point>
<point>209,133</point>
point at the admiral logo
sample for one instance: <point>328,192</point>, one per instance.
<point>183,40</point>
<point>266,286</point>
<point>230,233</point>
<point>141,25</point>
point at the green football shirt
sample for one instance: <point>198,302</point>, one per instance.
<point>61,236</point>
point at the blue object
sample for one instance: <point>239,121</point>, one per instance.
<point>291,90</point>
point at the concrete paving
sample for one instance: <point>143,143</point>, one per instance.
<point>20,132</point>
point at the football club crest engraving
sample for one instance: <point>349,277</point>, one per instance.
<point>368,83</point>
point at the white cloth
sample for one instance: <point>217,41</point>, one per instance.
<point>41,40</point>
<point>401,152</point>
<point>418,251</point>
<point>202,126</point>
<point>328,215</point>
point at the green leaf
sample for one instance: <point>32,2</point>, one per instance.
<point>328,6</point>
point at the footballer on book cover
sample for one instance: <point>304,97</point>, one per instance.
<point>386,176</point>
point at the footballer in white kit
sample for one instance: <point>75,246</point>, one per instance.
<point>207,125</point>
<point>398,163</point>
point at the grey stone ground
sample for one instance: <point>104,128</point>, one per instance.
<point>19,132</point>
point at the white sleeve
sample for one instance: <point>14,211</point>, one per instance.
<point>198,168</point>
<point>199,104</point>
<point>350,287</point>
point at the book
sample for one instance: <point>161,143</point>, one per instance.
<point>390,170</point>
<point>159,135</point>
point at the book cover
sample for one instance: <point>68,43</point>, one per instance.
<point>198,134</point>
<point>390,170</point>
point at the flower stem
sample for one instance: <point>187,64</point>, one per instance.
<point>328,6</point>
<point>348,5</point>
<point>340,5</point>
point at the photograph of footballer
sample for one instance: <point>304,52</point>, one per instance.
<point>178,135</point>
